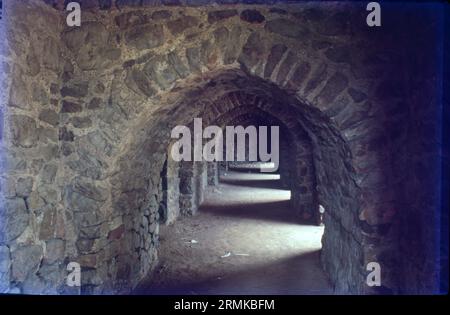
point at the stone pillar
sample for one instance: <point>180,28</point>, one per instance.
<point>173,191</point>
<point>201,181</point>
<point>222,168</point>
<point>285,166</point>
<point>303,184</point>
<point>213,173</point>
<point>187,188</point>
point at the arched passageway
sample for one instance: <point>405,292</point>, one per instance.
<point>244,239</point>
<point>225,101</point>
<point>245,213</point>
<point>86,174</point>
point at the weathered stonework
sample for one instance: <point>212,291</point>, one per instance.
<point>86,122</point>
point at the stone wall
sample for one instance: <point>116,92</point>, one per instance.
<point>34,226</point>
<point>89,111</point>
<point>170,180</point>
<point>417,157</point>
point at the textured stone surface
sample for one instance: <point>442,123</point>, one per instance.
<point>286,28</point>
<point>85,133</point>
<point>357,95</point>
<point>193,56</point>
<point>65,134</point>
<point>24,186</point>
<point>335,85</point>
<point>5,267</point>
<point>70,107</point>
<point>161,71</point>
<point>300,74</point>
<point>75,90</point>
<point>252,16</point>
<point>138,82</point>
<point>181,24</point>
<point>54,251</point>
<point>286,66</point>
<point>276,53</point>
<point>145,37</point>
<point>81,122</point>
<point>252,51</point>
<point>89,43</point>
<point>49,116</point>
<point>18,94</point>
<point>23,131</point>
<point>25,260</point>
<point>48,224</point>
<point>14,218</point>
<point>94,103</point>
<point>219,15</point>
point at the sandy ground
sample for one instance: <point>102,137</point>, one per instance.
<point>244,240</point>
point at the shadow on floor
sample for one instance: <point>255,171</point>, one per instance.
<point>245,239</point>
<point>253,183</point>
<point>276,211</point>
<point>279,277</point>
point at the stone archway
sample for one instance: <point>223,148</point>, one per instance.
<point>85,107</point>
<point>144,152</point>
<point>297,167</point>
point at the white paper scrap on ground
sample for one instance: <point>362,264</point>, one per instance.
<point>226,255</point>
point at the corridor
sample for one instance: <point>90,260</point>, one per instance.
<point>245,239</point>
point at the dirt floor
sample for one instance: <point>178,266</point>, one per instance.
<point>244,240</point>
